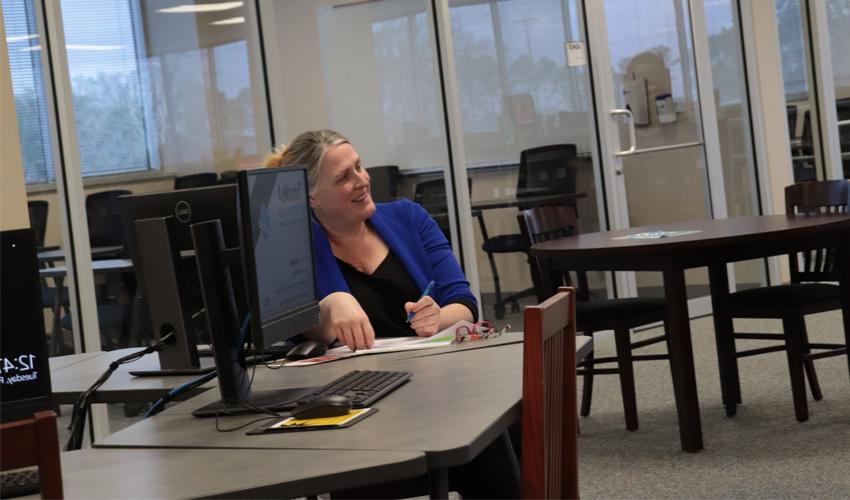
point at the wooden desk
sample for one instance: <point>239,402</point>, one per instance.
<point>170,473</point>
<point>717,243</point>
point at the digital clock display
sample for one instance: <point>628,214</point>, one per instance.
<point>24,367</point>
<point>17,369</point>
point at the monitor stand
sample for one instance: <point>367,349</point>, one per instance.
<point>234,382</point>
<point>160,264</point>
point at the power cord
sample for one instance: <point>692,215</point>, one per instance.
<point>159,405</point>
<point>81,407</point>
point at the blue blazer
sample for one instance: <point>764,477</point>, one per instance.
<point>416,240</point>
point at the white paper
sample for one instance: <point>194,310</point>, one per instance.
<point>576,55</point>
<point>393,344</point>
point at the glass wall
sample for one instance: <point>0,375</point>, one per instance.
<point>518,92</point>
<point>799,98</point>
<point>368,70</point>
<point>33,107</point>
<point>733,123</point>
<point>163,97</point>
<point>839,44</point>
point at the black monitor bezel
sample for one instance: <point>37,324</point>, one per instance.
<point>21,409</point>
<point>260,325</point>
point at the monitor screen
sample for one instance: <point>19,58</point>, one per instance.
<point>24,367</point>
<point>278,253</point>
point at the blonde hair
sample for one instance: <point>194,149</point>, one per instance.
<point>307,149</point>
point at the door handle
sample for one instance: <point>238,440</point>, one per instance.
<point>631,122</point>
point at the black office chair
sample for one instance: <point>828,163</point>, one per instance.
<point>808,293</point>
<point>54,298</point>
<point>543,170</point>
<point>384,182</point>
<point>228,177</point>
<point>196,180</point>
<point>432,196</point>
<point>38,219</point>
<point>106,229</point>
<point>843,112</point>
<point>802,153</point>
<point>620,315</point>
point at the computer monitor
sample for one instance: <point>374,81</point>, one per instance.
<point>168,297</point>
<point>277,255</point>
<point>24,367</point>
<point>277,252</point>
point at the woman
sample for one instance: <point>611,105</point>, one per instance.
<point>372,264</point>
<point>373,261</point>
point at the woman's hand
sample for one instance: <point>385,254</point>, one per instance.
<point>426,316</point>
<point>343,316</point>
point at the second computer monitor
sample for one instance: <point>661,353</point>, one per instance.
<point>168,292</point>
<point>278,253</point>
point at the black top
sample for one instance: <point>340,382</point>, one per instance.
<point>383,293</point>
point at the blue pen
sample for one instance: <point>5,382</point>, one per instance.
<point>424,293</point>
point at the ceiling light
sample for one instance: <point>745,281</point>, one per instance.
<point>201,7</point>
<point>232,20</point>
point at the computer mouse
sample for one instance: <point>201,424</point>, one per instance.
<point>322,407</point>
<point>308,349</point>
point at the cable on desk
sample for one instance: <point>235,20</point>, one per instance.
<point>81,406</point>
<point>159,405</point>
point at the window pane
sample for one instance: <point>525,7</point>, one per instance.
<point>800,106</point>
<point>733,123</point>
<point>839,42</point>
<point>517,92</point>
<point>108,86</point>
<point>24,46</point>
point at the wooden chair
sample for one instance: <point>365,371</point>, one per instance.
<point>805,294</point>
<point>34,441</point>
<point>549,422</point>
<point>620,315</point>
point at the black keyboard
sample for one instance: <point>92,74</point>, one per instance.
<point>361,387</point>
<point>18,483</point>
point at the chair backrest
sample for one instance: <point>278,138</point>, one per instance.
<point>384,182</point>
<point>105,227</point>
<point>38,219</point>
<point>228,177</point>
<point>196,180</point>
<point>791,112</point>
<point>34,441</point>
<point>549,417</point>
<point>811,198</point>
<point>432,196</point>
<point>549,223</point>
<point>547,167</point>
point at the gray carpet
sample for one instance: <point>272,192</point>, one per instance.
<point>763,452</point>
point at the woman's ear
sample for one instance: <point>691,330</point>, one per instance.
<point>312,201</point>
